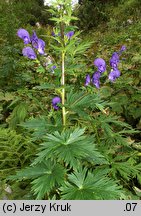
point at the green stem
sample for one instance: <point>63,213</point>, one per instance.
<point>63,89</point>
<point>63,67</point>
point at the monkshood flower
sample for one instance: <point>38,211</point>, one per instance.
<point>29,52</point>
<point>114,60</point>
<point>53,34</point>
<point>37,43</point>
<point>123,48</point>
<point>55,101</point>
<point>115,57</point>
<point>95,79</point>
<point>100,64</point>
<point>70,34</point>
<point>24,35</point>
<point>34,40</point>
<point>41,46</point>
<point>87,79</point>
<point>53,68</point>
<point>115,73</point>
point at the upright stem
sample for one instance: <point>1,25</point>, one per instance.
<point>63,67</point>
<point>63,89</point>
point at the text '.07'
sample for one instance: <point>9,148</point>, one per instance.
<point>131,207</point>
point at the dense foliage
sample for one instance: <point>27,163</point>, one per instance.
<point>65,132</point>
<point>91,13</point>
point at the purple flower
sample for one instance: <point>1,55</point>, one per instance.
<point>53,34</point>
<point>53,67</point>
<point>95,79</point>
<point>29,52</point>
<point>41,46</point>
<point>70,34</point>
<point>87,80</point>
<point>123,48</point>
<point>34,40</point>
<point>55,101</point>
<point>114,60</point>
<point>38,44</point>
<point>115,73</point>
<point>24,35</point>
<point>100,64</point>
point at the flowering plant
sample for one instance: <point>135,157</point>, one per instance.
<point>81,141</point>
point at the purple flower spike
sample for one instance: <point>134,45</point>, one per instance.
<point>24,35</point>
<point>87,80</point>
<point>95,79</point>
<point>55,101</point>
<point>114,60</point>
<point>41,46</point>
<point>29,52</point>
<point>114,74</point>
<point>100,64</point>
<point>70,34</point>
<point>34,40</point>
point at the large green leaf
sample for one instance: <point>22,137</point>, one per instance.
<point>46,175</point>
<point>68,146</point>
<point>41,126</point>
<point>79,102</point>
<point>85,185</point>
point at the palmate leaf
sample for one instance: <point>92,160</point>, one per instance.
<point>70,47</point>
<point>31,172</point>
<point>114,120</point>
<point>112,138</point>
<point>81,47</point>
<point>96,158</point>
<point>18,115</point>
<point>68,146</point>
<point>46,176</point>
<point>56,48</point>
<point>85,185</point>
<point>124,166</point>
<point>110,126</point>
<point>78,101</point>
<point>44,184</point>
<point>124,169</point>
<point>116,138</point>
<point>41,126</point>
